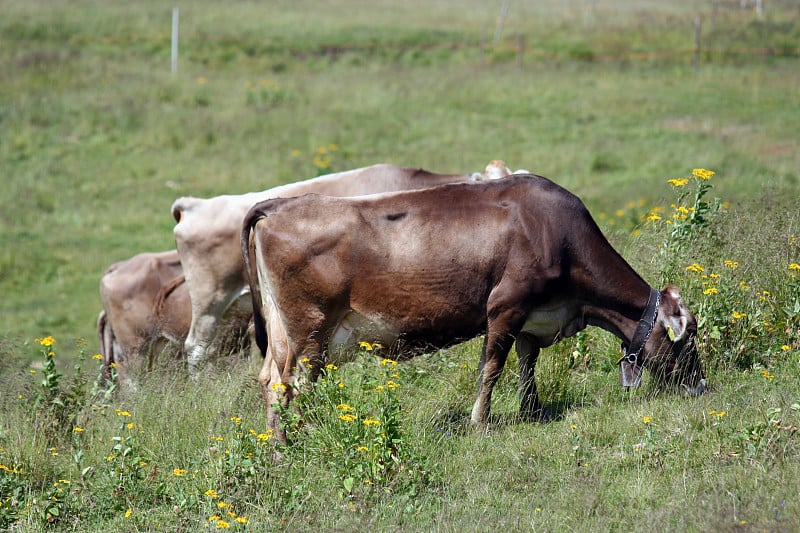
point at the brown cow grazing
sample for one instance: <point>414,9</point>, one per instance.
<point>145,304</point>
<point>208,230</point>
<point>518,259</point>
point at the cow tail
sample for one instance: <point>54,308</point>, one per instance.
<point>105,338</point>
<point>251,271</point>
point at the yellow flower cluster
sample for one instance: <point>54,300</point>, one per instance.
<point>46,341</point>
<point>702,173</point>
<point>678,182</point>
<point>695,267</point>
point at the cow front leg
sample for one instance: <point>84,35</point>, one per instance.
<point>495,351</point>
<point>528,353</point>
<point>201,334</point>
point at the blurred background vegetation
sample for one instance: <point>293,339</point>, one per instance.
<point>99,137</point>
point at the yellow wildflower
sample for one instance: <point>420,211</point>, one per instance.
<point>392,385</point>
<point>241,519</point>
<point>46,341</point>
<point>794,266</point>
<point>77,429</point>
<point>263,437</point>
<point>647,419</point>
<point>679,182</point>
<point>364,344</point>
<point>738,316</point>
<point>223,505</point>
<point>279,387</point>
<point>362,449</point>
<point>236,420</point>
<point>347,417</point>
<point>702,173</point>
<point>97,357</point>
<point>178,472</point>
<point>695,267</point>
<point>711,290</point>
<point>388,362</point>
<point>331,366</point>
<point>372,422</point>
<point>122,413</point>
<point>128,513</point>
<point>344,407</point>
<point>733,265</point>
<point>222,524</point>
<point>786,347</point>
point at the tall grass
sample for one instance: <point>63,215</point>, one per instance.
<point>98,139</point>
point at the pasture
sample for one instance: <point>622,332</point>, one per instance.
<point>610,99</point>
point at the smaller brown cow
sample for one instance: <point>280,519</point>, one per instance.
<point>518,260</point>
<point>145,304</point>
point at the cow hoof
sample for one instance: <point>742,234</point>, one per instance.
<point>541,414</point>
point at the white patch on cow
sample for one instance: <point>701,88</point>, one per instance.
<point>550,324</point>
<point>354,328</point>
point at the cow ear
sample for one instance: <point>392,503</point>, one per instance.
<point>674,322</point>
<point>676,326</point>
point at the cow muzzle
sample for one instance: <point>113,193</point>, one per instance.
<point>697,390</point>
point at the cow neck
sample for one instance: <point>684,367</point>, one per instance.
<point>632,352</point>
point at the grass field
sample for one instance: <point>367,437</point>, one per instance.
<point>98,138</point>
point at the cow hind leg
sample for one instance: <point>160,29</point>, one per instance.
<point>528,353</point>
<point>495,351</point>
<point>271,383</point>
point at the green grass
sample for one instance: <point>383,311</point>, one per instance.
<point>98,139</point>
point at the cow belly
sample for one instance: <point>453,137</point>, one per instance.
<point>354,328</point>
<point>550,325</point>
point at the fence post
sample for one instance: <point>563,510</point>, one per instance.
<point>696,58</point>
<point>174,54</point>
<point>501,20</point>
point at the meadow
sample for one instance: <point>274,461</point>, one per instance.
<point>611,99</point>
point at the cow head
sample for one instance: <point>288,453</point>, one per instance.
<point>670,353</point>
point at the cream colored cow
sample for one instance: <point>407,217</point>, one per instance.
<point>207,235</point>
